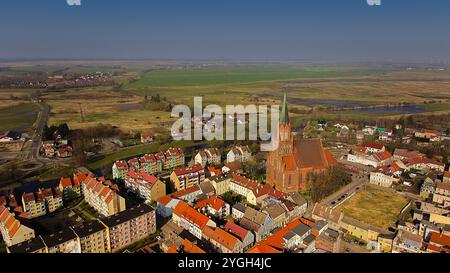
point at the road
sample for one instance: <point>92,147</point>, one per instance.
<point>358,183</point>
<point>37,136</point>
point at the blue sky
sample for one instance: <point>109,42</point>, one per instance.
<point>315,30</point>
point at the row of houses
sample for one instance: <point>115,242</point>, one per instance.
<point>150,163</point>
<point>110,234</point>
<point>403,160</point>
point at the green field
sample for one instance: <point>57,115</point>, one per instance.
<point>375,207</point>
<point>244,74</point>
<point>19,117</point>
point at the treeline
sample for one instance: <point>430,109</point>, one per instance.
<point>325,183</point>
<point>62,129</point>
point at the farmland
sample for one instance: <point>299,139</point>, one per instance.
<point>18,117</point>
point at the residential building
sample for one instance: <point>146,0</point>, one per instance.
<point>63,241</point>
<point>258,222</point>
<point>213,206</point>
<point>129,226</point>
<point>386,176</point>
<point>191,220</point>
<point>406,242</point>
<point>401,154</point>
<point>34,205</point>
<point>367,156</point>
<point>144,185</point>
<point>441,194</point>
<point>150,163</point>
<point>428,188</point>
<point>223,241</point>
<point>34,245</point>
<point>439,243</point>
<point>187,177</point>
<point>211,156</point>
<point>103,196</point>
<point>71,188</point>
<point>238,211</point>
<point>94,237</point>
<point>245,236</point>
<point>146,137</point>
<point>278,214</point>
<point>239,154</point>
<point>165,206</point>
<point>446,177</point>
<point>188,195</point>
<point>13,232</point>
<point>119,169</point>
<point>424,164</point>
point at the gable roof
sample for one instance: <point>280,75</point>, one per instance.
<point>236,230</point>
<point>185,211</point>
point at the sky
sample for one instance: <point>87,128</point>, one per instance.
<point>306,30</point>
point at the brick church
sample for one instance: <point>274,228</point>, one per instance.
<point>288,166</point>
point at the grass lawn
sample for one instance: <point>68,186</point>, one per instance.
<point>85,211</point>
<point>18,117</point>
<point>375,207</point>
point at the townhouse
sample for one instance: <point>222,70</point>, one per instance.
<point>239,154</point>
<point>386,176</point>
<point>165,205</point>
<point>129,226</point>
<point>222,241</point>
<point>144,185</point>
<point>188,195</point>
<point>103,196</point>
<point>424,164</point>
<point>441,195</point>
<point>258,222</point>
<point>211,156</point>
<point>406,242</point>
<point>245,236</point>
<point>214,206</point>
<point>13,232</point>
<point>278,214</point>
<point>191,220</point>
<point>371,155</point>
<point>187,177</point>
<point>238,211</point>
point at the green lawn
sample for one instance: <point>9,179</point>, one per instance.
<point>19,117</point>
<point>375,207</point>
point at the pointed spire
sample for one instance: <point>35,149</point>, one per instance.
<point>284,115</point>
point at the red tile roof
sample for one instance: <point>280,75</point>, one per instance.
<point>237,230</point>
<point>185,211</point>
<point>374,145</point>
<point>186,191</point>
<point>190,247</point>
<point>214,202</point>
<point>262,248</point>
<point>65,182</point>
<point>165,200</point>
<point>224,238</point>
<point>184,171</point>
<point>440,239</point>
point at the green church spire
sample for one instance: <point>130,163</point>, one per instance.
<point>284,115</point>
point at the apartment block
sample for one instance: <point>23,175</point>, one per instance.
<point>129,226</point>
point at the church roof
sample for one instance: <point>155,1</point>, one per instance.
<point>310,154</point>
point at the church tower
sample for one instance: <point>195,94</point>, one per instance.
<point>285,133</point>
